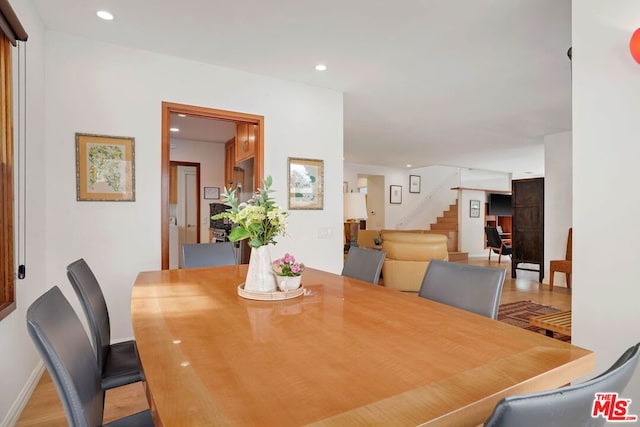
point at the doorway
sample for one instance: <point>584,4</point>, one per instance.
<point>184,208</point>
<point>373,187</point>
<point>240,119</point>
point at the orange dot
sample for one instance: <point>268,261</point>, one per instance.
<point>634,45</point>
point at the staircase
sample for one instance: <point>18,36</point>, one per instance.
<point>447,224</point>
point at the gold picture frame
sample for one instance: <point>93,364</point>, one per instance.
<point>305,183</point>
<point>105,168</point>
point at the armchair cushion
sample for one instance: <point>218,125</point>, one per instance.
<point>408,256</point>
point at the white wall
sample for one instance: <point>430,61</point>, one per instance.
<point>606,106</point>
<point>18,357</point>
<point>471,237</point>
<point>211,159</point>
<point>558,200</point>
<point>417,210</point>
<point>107,89</point>
<point>485,180</point>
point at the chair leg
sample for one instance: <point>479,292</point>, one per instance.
<point>551,280</point>
<point>490,250</point>
<point>500,255</point>
<point>568,280</point>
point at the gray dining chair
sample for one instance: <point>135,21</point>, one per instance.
<point>208,254</point>
<point>62,342</point>
<point>118,362</point>
<point>569,406</point>
<point>364,264</point>
<point>469,287</point>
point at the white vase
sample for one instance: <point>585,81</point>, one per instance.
<point>288,283</point>
<point>260,275</point>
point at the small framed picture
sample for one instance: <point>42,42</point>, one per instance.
<point>414,183</point>
<point>306,183</point>
<point>211,192</point>
<point>395,194</point>
<point>105,168</point>
<point>474,208</point>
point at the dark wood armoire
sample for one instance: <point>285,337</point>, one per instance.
<point>528,225</point>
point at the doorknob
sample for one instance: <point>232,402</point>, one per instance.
<point>190,225</point>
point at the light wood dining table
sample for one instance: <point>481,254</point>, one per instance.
<point>344,353</point>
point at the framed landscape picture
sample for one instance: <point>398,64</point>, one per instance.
<point>395,194</point>
<point>105,168</point>
<point>306,183</point>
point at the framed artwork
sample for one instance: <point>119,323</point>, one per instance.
<point>105,168</point>
<point>345,187</point>
<point>474,208</point>
<point>395,194</point>
<point>211,192</point>
<point>306,183</point>
<point>414,183</point>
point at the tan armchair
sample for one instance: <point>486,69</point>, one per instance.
<point>408,256</point>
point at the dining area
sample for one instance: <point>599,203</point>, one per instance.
<point>278,343</point>
<point>344,352</point>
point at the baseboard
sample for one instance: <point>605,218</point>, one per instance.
<point>23,398</point>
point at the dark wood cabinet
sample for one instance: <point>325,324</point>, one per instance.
<point>527,223</point>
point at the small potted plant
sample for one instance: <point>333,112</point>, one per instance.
<point>288,272</point>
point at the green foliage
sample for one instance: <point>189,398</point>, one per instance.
<point>260,220</point>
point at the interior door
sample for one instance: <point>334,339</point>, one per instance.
<point>191,207</point>
<point>187,207</point>
<point>375,202</point>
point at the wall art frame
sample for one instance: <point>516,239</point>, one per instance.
<point>305,181</point>
<point>105,168</point>
<point>212,193</point>
<point>414,183</point>
<point>474,208</point>
<point>395,194</point>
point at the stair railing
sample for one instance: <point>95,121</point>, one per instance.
<point>444,196</point>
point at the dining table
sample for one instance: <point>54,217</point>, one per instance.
<point>343,352</point>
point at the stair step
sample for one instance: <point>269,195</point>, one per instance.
<point>448,219</point>
<point>445,226</point>
<point>458,256</point>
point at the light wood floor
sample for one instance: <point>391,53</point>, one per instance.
<point>44,407</point>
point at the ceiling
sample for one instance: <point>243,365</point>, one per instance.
<point>472,83</point>
<point>201,129</point>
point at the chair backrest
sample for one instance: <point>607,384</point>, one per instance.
<point>565,406</point>
<point>470,287</point>
<point>569,252</point>
<point>208,254</point>
<point>364,264</point>
<point>493,237</point>
<point>91,298</point>
<point>62,342</point>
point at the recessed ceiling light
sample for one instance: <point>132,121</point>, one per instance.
<point>182,115</point>
<point>321,67</point>
<point>408,166</point>
<point>174,129</point>
<point>103,14</point>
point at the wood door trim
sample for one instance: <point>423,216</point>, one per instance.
<point>167,109</point>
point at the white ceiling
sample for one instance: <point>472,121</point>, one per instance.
<point>202,129</point>
<point>474,83</point>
